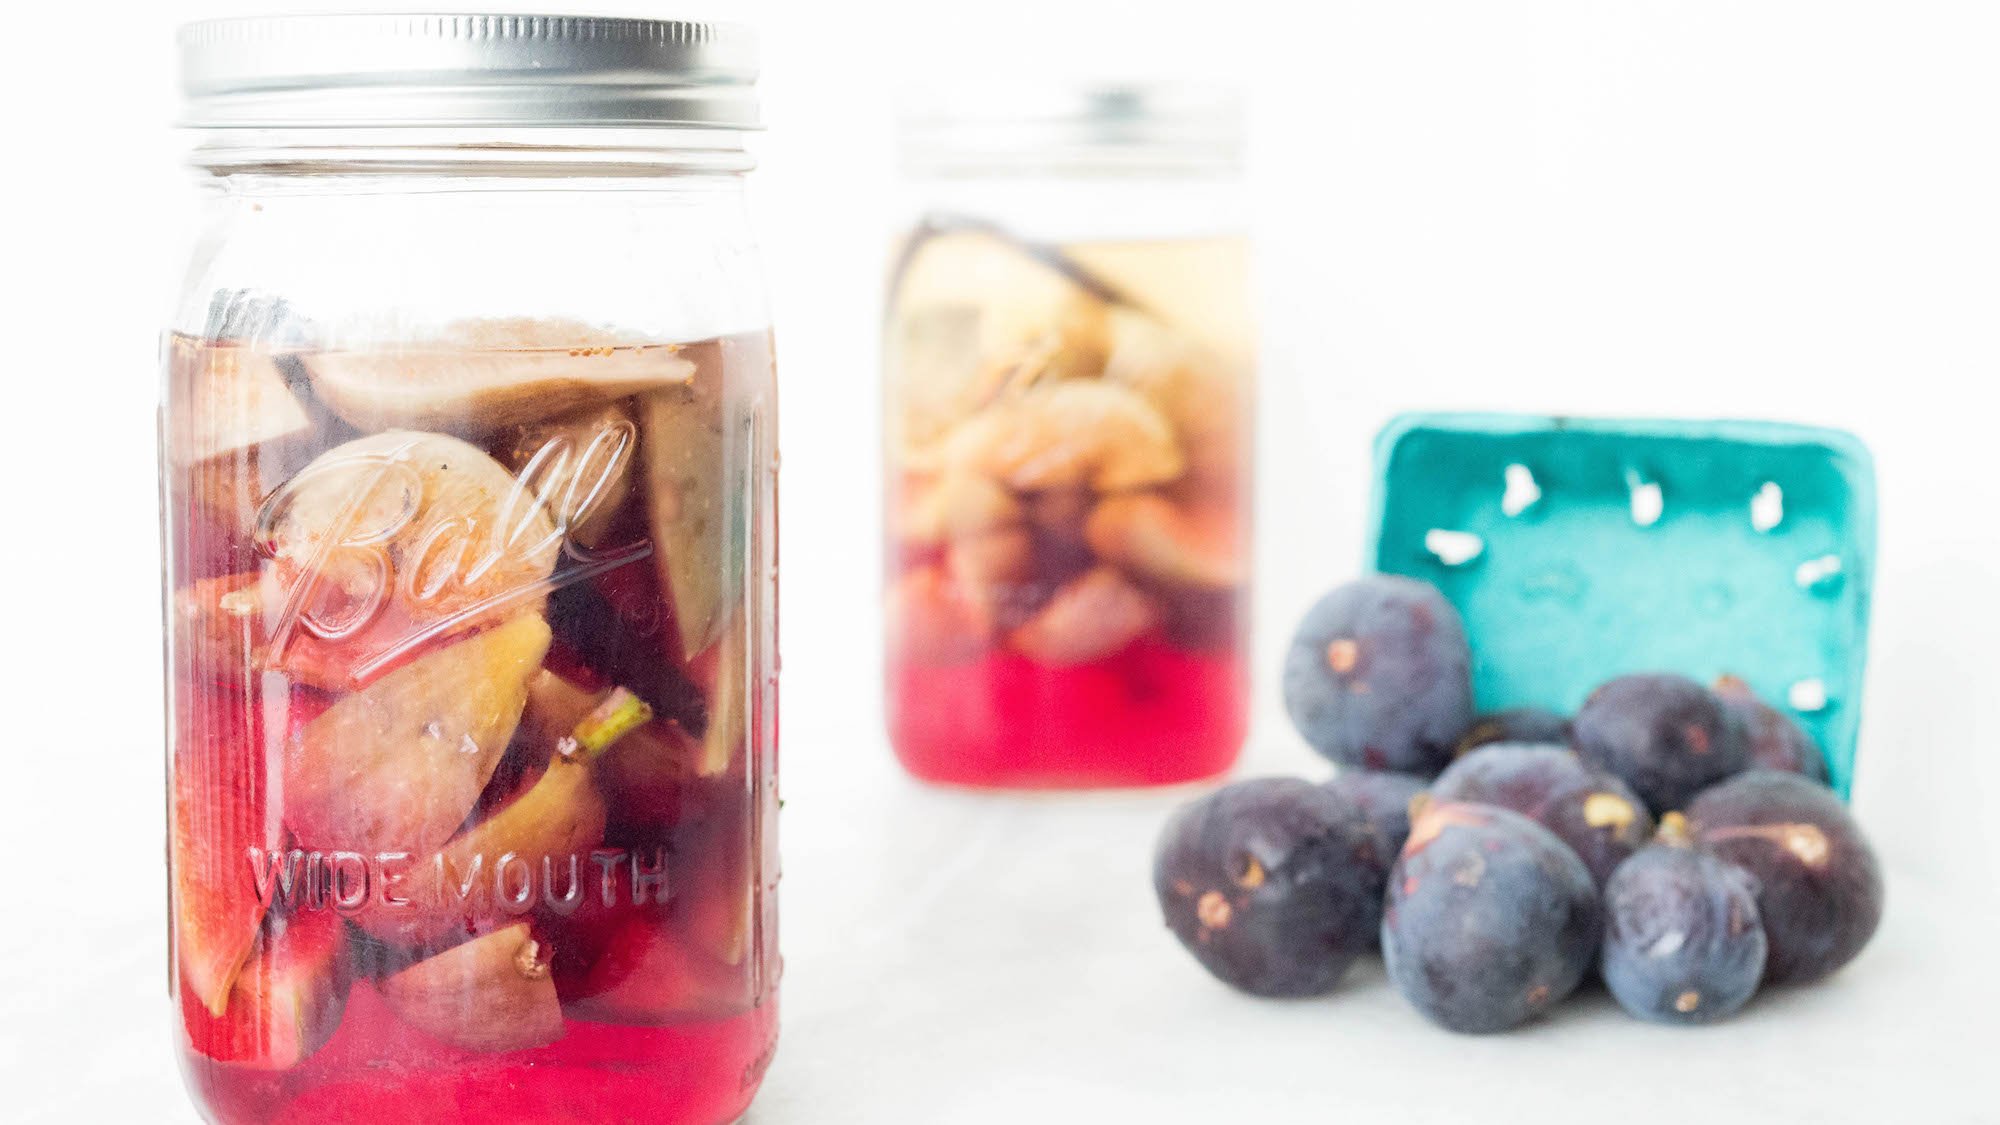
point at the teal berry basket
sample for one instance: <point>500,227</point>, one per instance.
<point>1579,549</point>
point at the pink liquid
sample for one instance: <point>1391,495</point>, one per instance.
<point>596,1074</point>
<point>1151,714</point>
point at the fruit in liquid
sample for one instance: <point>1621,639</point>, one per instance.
<point>1068,509</point>
<point>471,641</point>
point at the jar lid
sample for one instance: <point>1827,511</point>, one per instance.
<point>432,70</point>
<point>1093,127</point>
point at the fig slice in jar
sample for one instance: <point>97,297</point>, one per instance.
<point>932,619</point>
<point>1081,432</point>
<point>646,973</point>
<point>642,774</point>
<point>957,505</point>
<point>230,399</point>
<point>478,376</point>
<point>1090,617</point>
<point>579,464</point>
<point>681,447</point>
<point>1152,536</point>
<point>220,814</point>
<point>493,993</point>
<point>218,629</point>
<point>395,768</point>
<point>286,1002</point>
<point>974,314</point>
<point>728,702</point>
<point>465,887</point>
<point>235,431</point>
<point>389,544</point>
<point>1193,388</point>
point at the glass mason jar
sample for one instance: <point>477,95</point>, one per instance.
<point>468,482</point>
<point>1069,410</point>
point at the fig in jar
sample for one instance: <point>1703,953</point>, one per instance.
<point>482,375</point>
<point>396,767</point>
<point>493,993</point>
<point>395,542</point>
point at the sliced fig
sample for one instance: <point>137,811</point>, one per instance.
<point>642,774</point>
<point>934,620</point>
<point>285,1003</point>
<point>217,627</point>
<point>229,400</point>
<point>234,431</point>
<point>493,993</point>
<point>1090,617</point>
<point>392,543</point>
<point>648,974</point>
<point>1153,537</point>
<point>483,375</point>
<point>957,505</point>
<point>729,701</point>
<point>1061,435</point>
<point>682,448</point>
<point>992,566</point>
<point>975,314</point>
<point>395,768</point>
<point>581,465</point>
<point>1199,394</point>
<point>220,812</point>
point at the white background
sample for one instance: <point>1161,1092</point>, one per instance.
<point>1777,209</point>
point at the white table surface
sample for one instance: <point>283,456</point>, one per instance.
<point>963,958</point>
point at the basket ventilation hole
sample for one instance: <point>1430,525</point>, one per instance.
<point>1453,548</point>
<point>1522,491</point>
<point>1822,573</point>
<point>1767,508</point>
<point>1648,503</point>
<point>1807,695</point>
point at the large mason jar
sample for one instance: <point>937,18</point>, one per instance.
<point>1069,411</point>
<point>468,480</point>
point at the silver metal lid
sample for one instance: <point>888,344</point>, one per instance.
<point>1113,127</point>
<point>447,71</point>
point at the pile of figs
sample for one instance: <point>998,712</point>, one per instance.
<point>1677,841</point>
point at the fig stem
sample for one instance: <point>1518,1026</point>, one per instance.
<point>619,714</point>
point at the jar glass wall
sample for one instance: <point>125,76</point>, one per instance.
<point>1069,410</point>
<point>468,471</point>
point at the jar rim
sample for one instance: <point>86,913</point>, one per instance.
<point>433,70</point>
<point>1081,128</point>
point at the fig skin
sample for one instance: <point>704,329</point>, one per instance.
<point>1667,736</point>
<point>955,506</point>
<point>1079,432</point>
<point>1819,885</point>
<point>1517,724</point>
<point>1596,814</point>
<point>1379,676</point>
<point>1777,741</point>
<point>1382,799</point>
<point>397,767</point>
<point>1156,539</point>
<point>1490,921</point>
<point>976,315</point>
<point>393,544</point>
<point>1090,617</point>
<point>493,993</point>
<point>1273,884</point>
<point>932,619</point>
<point>486,375</point>
<point>1683,943</point>
<point>285,1003</point>
<point>221,793</point>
